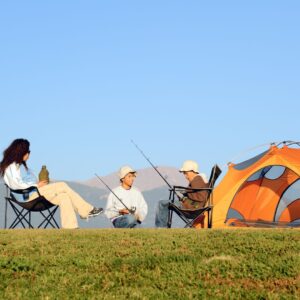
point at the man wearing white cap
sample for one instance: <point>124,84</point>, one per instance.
<point>130,209</point>
<point>193,200</point>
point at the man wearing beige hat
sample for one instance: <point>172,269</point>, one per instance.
<point>196,200</point>
<point>126,206</point>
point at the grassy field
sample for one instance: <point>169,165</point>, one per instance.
<point>150,264</point>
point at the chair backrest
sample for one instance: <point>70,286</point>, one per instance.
<point>214,175</point>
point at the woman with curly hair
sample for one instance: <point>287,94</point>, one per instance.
<point>12,169</point>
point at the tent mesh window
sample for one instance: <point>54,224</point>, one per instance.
<point>271,194</point>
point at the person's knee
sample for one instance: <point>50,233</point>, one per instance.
<point>162,204</point>
<point>130,219</point>
<point>61,187</point>
<point>126,221</point>
<point>61,184</point>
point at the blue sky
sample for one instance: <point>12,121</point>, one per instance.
<point>200,80</point>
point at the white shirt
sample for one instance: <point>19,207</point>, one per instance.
<point>131,198</point>
<point>14,179</point>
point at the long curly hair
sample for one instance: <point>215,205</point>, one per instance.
<point>14,153</point>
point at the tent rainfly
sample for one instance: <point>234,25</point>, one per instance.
<point>263,191</point>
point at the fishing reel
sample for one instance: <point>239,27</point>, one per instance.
<point>132,210</point>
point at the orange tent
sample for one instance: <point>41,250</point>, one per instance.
<point>262,191</point>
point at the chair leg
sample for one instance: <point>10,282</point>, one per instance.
<point>17,219</point>
<point>170,217</point>
<point>5,217</point>
<point>198,222</point>
<point>209,221</point>
<point>23,216</point>
<point>210,216</point>
<point>48,219</point>
<point>20,217</point>
<point>20,220</point>
<point>54,211</point>
<point>27,221</point>
<point>170,213</point>
<point>183,218</point>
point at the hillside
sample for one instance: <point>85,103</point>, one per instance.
<point>150,264</point>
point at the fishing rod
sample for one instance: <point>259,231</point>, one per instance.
<point>131,210</point>
<point>155,168</point>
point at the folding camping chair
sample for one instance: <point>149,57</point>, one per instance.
<point>193,216</point>
<point>23,210</point>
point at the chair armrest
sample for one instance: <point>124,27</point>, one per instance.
<point>28,190</point>
<point>179,187</point>
<point>190,190</point>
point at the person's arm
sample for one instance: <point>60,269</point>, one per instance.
<point>142,208</point>
<point>198,183</point>
<point>13,178</point>
<point>111,210</point>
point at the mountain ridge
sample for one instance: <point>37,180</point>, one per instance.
<point>147,179</point>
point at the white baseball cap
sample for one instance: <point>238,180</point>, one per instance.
<point>189,165</point>
<point>124,171</point>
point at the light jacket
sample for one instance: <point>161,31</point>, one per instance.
<point>131,198</point>
<point>18,178</point>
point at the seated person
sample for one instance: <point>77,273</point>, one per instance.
<point>120,213</point>
<point>192,200</point>
<point>14,163</point>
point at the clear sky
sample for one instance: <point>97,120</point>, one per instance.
<point>200,80</point>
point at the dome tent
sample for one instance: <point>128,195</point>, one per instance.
<point>262,191</point>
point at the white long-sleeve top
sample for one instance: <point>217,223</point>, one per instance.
<point>14,179</point>
<point>131,198</point>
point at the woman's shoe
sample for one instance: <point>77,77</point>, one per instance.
<point>95,212</point>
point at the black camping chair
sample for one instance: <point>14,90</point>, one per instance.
<point>193,216</point>
<point>23,210</point>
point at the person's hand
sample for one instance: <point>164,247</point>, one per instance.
<point>42,183</point>
<point>124,211</point>
<point>183,199</point>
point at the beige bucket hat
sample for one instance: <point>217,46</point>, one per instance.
<point>124,171</point>
<point>189,165</point>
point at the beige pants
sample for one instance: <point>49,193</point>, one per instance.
<point>69,202</point>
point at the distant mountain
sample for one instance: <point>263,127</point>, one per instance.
<point>147,179</point>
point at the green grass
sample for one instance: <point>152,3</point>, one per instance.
<point>150,264</point>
